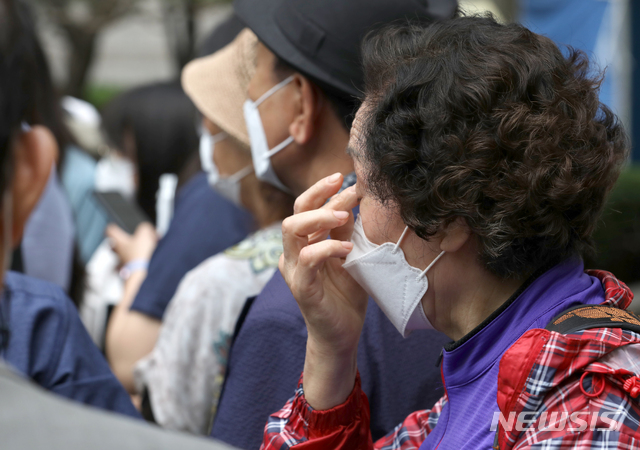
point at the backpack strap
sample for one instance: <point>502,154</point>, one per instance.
<point>584,317</point>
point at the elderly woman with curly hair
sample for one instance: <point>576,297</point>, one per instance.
<point>484,159</point>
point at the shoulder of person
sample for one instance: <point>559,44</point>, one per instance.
<point>28,296</point>
<point>35,419</point>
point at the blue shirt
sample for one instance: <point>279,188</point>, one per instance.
<point>78,179</point>
<point>398,375</point>
<point>49,344</point>
<point>49,236</point>
<point>203,225</point>
<point>470,369</point>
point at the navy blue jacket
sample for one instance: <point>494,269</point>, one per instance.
<point>203,225</point>
<point>398,375</point>
<point>49,344</point>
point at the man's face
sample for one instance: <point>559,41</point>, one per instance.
<point>278,111</point>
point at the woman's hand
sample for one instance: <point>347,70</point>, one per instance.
<point>139,246</point>
<point>332,303</point>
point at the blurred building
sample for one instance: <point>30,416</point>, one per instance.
<point>131,51</point>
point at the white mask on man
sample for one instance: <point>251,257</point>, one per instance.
<point>259,146</point>
<point>227,187</point>
<point>385,274</point>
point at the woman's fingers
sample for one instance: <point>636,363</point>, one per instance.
<point>297,228</point>
<point>310,260</point>
<point>317,195</point>
<point>344,201</point>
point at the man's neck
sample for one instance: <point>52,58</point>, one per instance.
<point>328,153</point>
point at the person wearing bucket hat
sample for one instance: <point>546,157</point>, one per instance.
<point>183,374</point>
<point>204,224</point>
<point>299,112</point>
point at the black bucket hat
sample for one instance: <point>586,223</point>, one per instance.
<point>321,38</point>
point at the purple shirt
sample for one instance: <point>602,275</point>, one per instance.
<point>470,369</point>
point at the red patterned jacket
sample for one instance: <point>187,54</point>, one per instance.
<point>555,391</point>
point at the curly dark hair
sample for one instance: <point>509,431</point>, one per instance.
<point>468,118</point>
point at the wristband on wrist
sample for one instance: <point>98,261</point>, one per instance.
<point>133,266</point>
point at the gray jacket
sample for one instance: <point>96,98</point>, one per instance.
<point>33,419</point>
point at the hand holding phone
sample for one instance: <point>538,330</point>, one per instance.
<point>133,247</point>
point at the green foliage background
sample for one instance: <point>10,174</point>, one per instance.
<point>618,236</point>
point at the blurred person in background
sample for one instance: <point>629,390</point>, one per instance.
<point>30,417</point>
<point>184,373</point>
<point>41,334</point>
<point>39,327</point>
<point>151,132</point>
<point>204,224</point>
<point>300,106</point>
<point>79,173</point>
<point>48,247</point>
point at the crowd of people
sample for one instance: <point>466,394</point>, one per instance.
<point>353,224</point>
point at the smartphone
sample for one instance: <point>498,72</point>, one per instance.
<point>121,211</point>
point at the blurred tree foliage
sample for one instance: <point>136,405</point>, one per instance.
<point>618,236</point>
<point>179,21</point>
<point>81,21</point>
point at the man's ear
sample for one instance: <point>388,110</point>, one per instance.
<point>309,104</point>
<point>455,235</point>
<point>34,154</point>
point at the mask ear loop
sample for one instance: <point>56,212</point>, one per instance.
<point>240,174</point>
<point>401,238</point>
<point>278,147</point>
<point>432,263</point>
<point>219,137</point>
<point>273,90</point>
<point>265,96</point>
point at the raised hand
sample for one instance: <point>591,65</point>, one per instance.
<point>332,303</point>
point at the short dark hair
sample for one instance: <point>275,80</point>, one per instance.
<point>343,104</point>
<point>163,122</point>
<point>27,93</point>
<point>24,63</point>
<point>468,118</point>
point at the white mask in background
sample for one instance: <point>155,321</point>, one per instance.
<point>260,150</point>
<point>227,187</point>
<point>385,274</point>
<point>116,173</point>
<point>165,197</point>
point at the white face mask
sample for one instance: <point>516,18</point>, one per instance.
<point>385,274</point>
<point>259,147</point>
<point>116,173</point>
<point>227,187</point>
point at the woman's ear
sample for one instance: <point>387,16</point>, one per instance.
<point>34,154</point>
<point>309,103</point>
<point>456,234</point>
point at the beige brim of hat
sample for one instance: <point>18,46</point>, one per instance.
<point>217,84</point>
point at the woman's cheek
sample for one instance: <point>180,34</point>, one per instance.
<point>373,221</point>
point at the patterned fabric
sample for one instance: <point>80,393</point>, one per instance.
<point>539,375</point>
<point>185,371</point>
<point>553,370</point>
